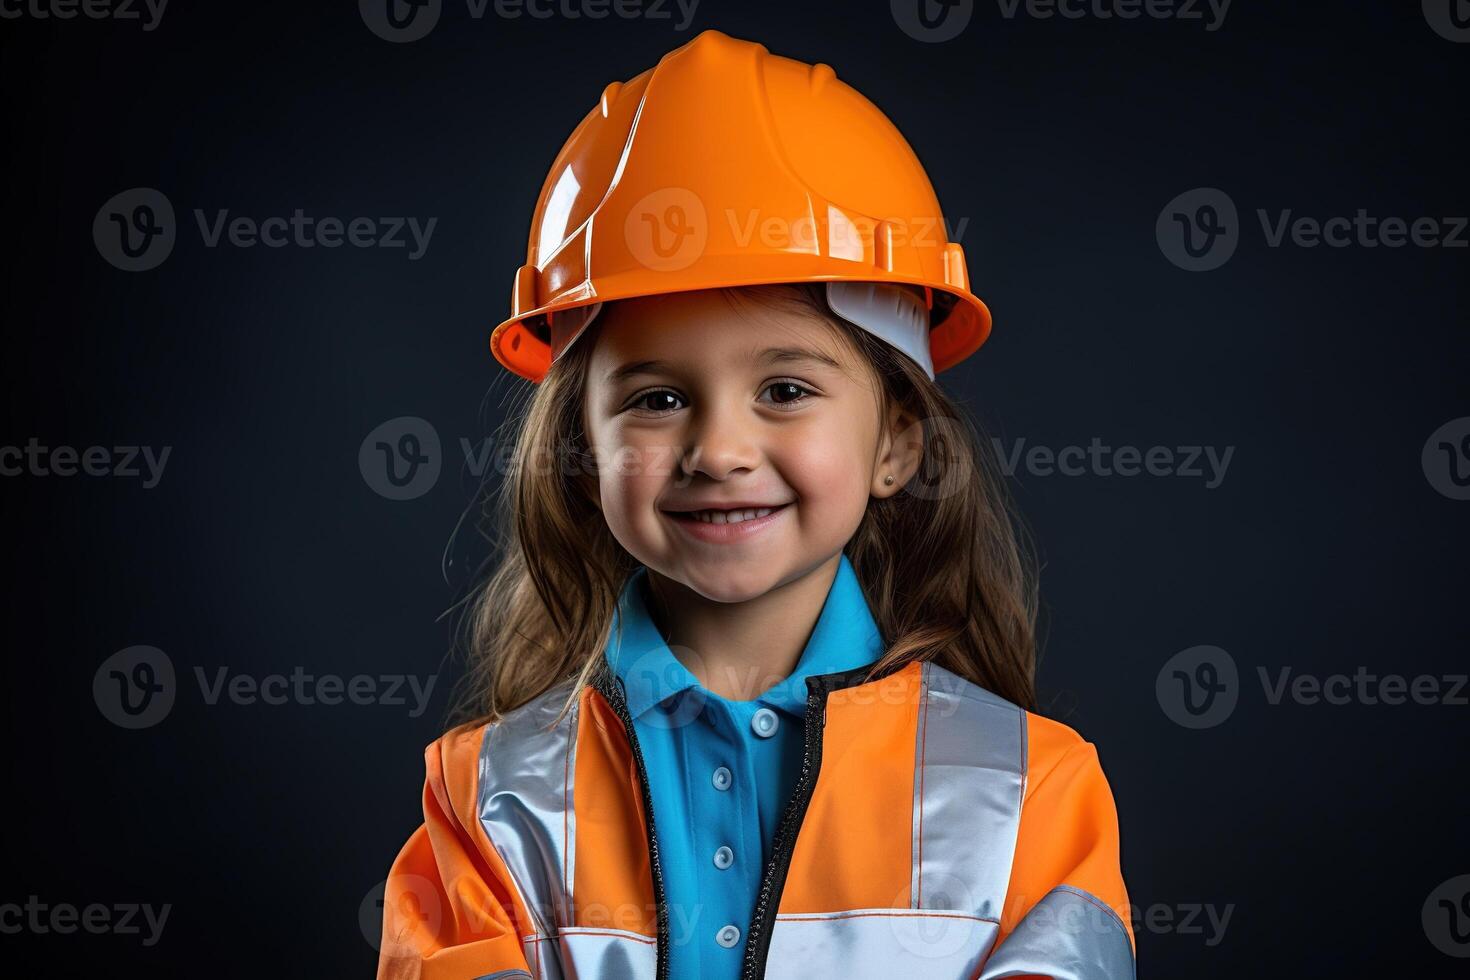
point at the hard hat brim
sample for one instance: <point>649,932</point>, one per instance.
<point>523,343</point>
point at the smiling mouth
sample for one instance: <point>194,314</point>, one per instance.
<point>738,516</point>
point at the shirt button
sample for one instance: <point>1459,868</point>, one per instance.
<point>764,722</point>
<point>724,857</point>
<point>721,778</point>
<point>728,936</point>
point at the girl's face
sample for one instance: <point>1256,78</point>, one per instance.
<point>694,406</point>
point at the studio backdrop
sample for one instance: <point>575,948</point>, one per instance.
<point>254,254</point>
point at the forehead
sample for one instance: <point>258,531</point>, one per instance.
<point>707,328</point>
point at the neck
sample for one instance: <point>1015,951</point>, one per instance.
<point>740,649</point>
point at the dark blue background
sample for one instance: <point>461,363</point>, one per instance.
<point>1325,548</point>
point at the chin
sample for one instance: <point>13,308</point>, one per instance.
<point>730,583</point>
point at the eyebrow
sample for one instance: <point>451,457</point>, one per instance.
<point>771,355</point>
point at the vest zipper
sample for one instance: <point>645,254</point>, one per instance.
<point>773,880</point>
<point>615,695</point>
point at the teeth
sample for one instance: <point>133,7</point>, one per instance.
<point>729,516</point>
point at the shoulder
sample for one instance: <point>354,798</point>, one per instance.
<point>1058,753</point>
<point>459,760</point>
<point>451,766</point>
<point>1047,747</point>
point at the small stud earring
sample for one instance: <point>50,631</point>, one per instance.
<point>888,479</point>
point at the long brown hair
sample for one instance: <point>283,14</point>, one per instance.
<point>944,564</point>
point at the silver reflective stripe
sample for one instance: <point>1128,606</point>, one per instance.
<point>608,954</point>
<point>525,803</point>
<point>506,975</point>
<point>878,944</point>
<point>541,954</point>
<point>1068,935</point>
<point>970,774</point>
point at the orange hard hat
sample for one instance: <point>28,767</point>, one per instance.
<point>725,165</point>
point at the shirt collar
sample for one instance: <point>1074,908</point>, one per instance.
<point>844,638</point>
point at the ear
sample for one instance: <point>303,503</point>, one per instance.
<point>900,450</point>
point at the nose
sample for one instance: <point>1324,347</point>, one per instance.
<point>722,440</point>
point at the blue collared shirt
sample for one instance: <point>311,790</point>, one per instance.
<point>720,772</point>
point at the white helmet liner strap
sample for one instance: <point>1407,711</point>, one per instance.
<point>888,312</point>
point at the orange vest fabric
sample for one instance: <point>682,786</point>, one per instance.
<point>936,830</point>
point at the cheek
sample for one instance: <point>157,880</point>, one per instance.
<point>632,467</point>
<point>829,469</point>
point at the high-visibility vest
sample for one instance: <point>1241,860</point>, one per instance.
<point>936,831</point>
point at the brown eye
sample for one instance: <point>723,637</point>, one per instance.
<point>788,392</point>
<point>656,401</point>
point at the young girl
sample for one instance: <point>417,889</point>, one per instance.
<point>755,678</point>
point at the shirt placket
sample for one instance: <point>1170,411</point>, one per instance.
<point>728,840</point>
